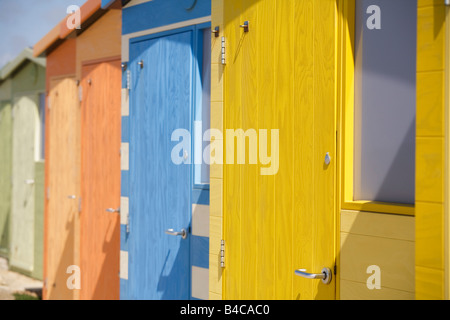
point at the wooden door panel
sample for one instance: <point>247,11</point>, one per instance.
<point>100,180</point>
<point>281,75</point>
<point>5,175</point>
<point>22,217</point>
<point>62,216</point>
<point>160,102</point>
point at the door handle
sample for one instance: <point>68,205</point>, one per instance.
<point>72,197</point>
<point>111,210</point>
<point>182,233</point>
<point>325,275</point>
<point>29,181</point>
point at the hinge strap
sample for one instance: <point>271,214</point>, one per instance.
<point>222,253</point>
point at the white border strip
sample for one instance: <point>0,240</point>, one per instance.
<point>125,103</point>
<point>124,210</point>
<point>125,156</point>
<point>136,2</point>
<point>124,265</point>
<point>200,283</point>
<point>200,220</point>
<point>126,38</point>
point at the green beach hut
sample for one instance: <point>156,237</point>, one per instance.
<point>22,132</point>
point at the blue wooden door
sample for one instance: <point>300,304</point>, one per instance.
<point>160,102</point>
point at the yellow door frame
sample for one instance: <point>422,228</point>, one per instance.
<point>447,158</point>
<point>346,109</point>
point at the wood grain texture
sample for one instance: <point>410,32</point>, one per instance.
<point>62,60</point>
<point>39,198</point>
<point>358,291</point>
<point>303,146</point>
<point>249,174</point>
<point>5,175</point>
<point>394,257</point>
<point>232,177</point>
<point>27,83</point>
<point>387,241</point>
<point>430,149</point>
<point>216,171</point>
<point>22,201</point>
<point>281,75</point>
<point>63,181</point>
<point>100,180</point>
<point>101,40</point>
<point>160,102</point>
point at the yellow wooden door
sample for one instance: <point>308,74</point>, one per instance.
<point>280,74</point>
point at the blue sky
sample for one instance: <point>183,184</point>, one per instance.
<point>25,22</point>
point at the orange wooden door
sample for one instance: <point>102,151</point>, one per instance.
<point>100,180</point>
<point>62,194</point>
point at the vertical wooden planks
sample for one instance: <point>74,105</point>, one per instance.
<point>265,220</point>
<point>159,189</point>
<point>249,173</point>
<point>294,72</point>
<point>39,196</point>
<point>216,172</point>
<point>5,175</point>
<point>325,140</point>
<point>62,192</point>
<point>283,121</point>
<point>232,120</point>
<point>100,41</point>
<point>22,208</point>
<point>304,166</point>
<point>100,180</point>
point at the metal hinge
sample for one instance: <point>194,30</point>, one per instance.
<point>80,93</point>
<point>128,80</point>
<point>223,52</point>
<point>222,253</point>
<point>79,204</point>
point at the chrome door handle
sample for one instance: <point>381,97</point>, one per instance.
<point>72,197</point>
<point>325,275</point>
<point>29,181</point>
<point>111,210</point>
<point>182,233</point>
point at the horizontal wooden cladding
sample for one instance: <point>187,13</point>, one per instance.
<point>378,225</point>
<point>102,40</point>
<point>377,239</point>
<point>351,290</point>
<point>62,61</point>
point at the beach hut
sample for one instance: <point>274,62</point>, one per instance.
<point>83,172</point>
<point>165,185</point>
<point>22,170</point>
<point>348,198</point>
<point>6,163</point>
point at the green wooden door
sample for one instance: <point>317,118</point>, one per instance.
<point>5,175</point>
<point>23,189</point>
